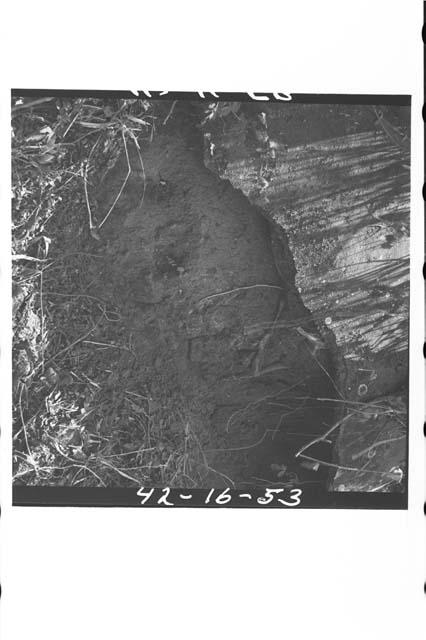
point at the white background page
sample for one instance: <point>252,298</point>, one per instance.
<point>196,573</point>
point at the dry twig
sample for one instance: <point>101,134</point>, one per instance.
<point>376,444</point>
<point>172,108</point>
<point>129,171</point>
<point>236,290</point>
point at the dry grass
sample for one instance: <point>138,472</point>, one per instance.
<point>75,424</point>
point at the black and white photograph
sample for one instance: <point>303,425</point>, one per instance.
<point>211,297</point>
<point>212,322</point>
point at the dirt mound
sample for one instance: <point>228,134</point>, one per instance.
<point>219,337</point>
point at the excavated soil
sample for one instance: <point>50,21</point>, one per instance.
<point>213,327</point>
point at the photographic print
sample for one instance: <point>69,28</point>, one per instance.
<point>210,299</point>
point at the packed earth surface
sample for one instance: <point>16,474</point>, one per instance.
<point>210,295</point>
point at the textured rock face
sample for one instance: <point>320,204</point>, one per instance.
<point>341,193</point>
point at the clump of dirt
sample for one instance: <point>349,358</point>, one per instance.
<point>209,314</point>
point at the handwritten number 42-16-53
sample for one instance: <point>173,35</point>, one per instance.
<point>223,497</point>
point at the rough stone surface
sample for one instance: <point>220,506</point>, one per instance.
<point>340,191</point>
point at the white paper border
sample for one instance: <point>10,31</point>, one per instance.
<point>109,573</point>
